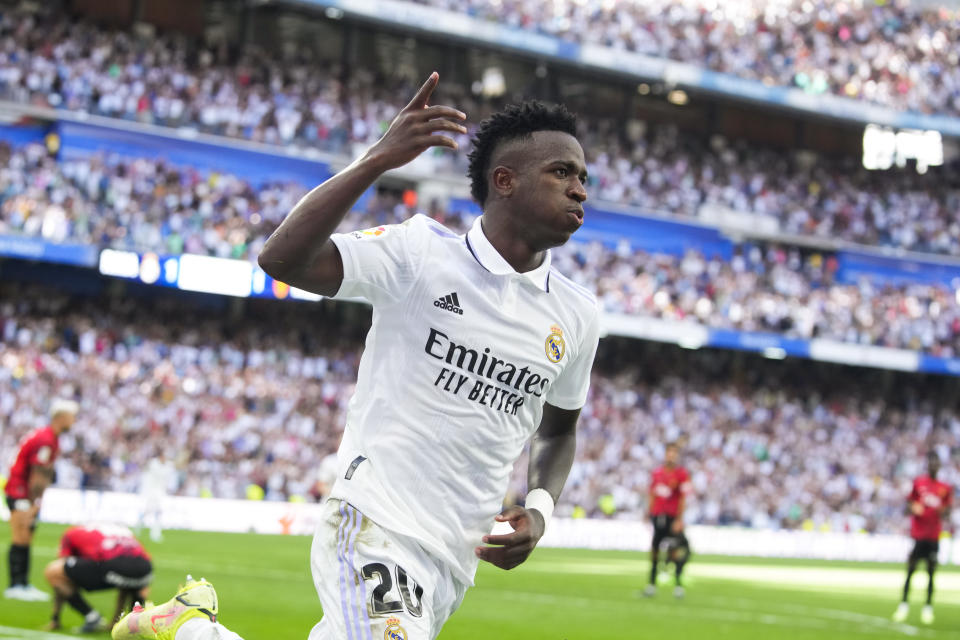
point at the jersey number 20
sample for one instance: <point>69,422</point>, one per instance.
<point>381,593</point>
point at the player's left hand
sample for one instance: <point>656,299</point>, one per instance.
<point>514,547</point>
<point>677,526</point>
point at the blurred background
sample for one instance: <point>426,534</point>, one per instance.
<point>772,230</point>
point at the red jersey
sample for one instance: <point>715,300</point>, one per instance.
<point>100,543</point>
<point>934,496</point>
<point>37,448</point>
<point>666,489</point>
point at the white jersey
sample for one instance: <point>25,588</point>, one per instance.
<point>462,353</point>
<point>158,477</point>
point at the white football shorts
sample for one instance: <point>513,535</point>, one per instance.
<point>376,584</point>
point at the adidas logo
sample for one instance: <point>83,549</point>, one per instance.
<point>449,302</point>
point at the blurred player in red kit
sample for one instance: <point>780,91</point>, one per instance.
<point>928,506</point>
<point>669,487</point>
<point>30,475</point>
<point>94,558</point>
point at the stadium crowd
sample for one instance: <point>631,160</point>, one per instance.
<point>173,81</point>
<point>885,52</point>
<point>147,205</point>
<point>257,396</point>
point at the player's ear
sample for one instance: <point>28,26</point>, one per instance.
<point>503,181</point>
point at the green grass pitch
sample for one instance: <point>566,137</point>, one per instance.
<point>266,593</point>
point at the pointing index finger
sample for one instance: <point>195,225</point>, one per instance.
<point>420,100</point>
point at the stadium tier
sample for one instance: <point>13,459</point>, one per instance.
<point>176,82</point>
<point>249,394</point>
<point>886,53</point>
<point>148,205</point>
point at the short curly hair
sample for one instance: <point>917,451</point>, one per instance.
<point>513,121</point>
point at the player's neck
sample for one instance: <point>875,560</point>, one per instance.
<point>511,245</point>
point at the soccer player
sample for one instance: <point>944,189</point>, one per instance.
<point>669,487</point>
<point>30,475</point>
<point>94,558</point>
<point>477,345</point>
<point>156,480</point>
<point>928,505</point>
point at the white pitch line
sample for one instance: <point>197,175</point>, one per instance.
<point>18,634</point>
<point>824,612</point>
<point>867,625</point>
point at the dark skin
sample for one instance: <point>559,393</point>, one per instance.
<point>916,508</point>
<point>535,202</point>
<point>670,458</point>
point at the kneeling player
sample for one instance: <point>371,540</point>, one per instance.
<point>95,558</point>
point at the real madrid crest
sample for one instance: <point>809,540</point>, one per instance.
<point>394,631</point>
<point>555,346</point>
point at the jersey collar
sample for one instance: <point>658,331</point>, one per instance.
<point>491,260</point>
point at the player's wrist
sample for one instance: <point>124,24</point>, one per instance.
<point>542,501</point>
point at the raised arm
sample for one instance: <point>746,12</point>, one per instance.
<point>299,251</point>
<point>551,456</point>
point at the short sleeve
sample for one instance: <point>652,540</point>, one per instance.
<point>381,264</point>
<point>913,492</point>
<point>42,455</point>
<point>685,485</point>
<point>66,543</point>
<point>570,389</point>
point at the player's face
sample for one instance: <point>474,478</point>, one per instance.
<point>550,193</point>
<point>933,466</point>
<point>63,421</point>
<point>671,456</point>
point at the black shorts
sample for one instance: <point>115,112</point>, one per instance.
<point>19,504</point>
<point>122,572</point>
<point>925,550</point>
<point>662,529</point>
<point>22,504</point>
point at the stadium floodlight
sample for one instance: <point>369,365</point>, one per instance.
<point>493,84</point>
<point>678,97</point>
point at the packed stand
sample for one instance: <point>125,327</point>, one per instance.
<point>234,403</point>
<point>793,444</point>
<point>887,52</point>
<point>769,288</point>
<point>146,205</point>
<point>173,81</point>
<point>259,400</point>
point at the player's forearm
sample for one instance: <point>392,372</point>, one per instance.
<point>40,479</point>
<point>551,458</point>
<point>309,225</point>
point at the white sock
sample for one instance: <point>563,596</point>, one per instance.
<point>203,629</point>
